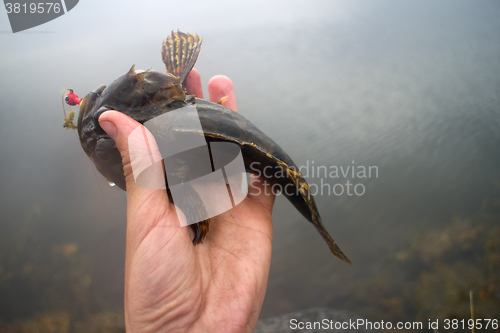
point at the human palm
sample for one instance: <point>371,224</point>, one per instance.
<point>172,285</point>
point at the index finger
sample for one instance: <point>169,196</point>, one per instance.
<point>221,86</point>
<point>193,83</point>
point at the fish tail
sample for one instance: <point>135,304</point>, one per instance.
<point>305,192</point>
<point>336,251</point>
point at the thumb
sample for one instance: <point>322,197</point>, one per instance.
<point>141,158</point>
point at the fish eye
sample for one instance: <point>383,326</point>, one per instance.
<point>67,99</point>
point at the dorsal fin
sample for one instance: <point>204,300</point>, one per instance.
<point>179,53</point>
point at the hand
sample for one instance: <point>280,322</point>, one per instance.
<point>172,285</point>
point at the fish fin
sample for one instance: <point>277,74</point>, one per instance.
<point>200,231</point>
<point>305,192</point>
<point>336,251</point>
<point>191,204</point>
<point>179,53</point>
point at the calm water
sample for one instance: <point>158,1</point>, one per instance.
<point>411,88</point>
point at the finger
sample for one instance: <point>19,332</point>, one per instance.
<point>138,150</point>
<point>260,191</point>
<point>193,84</point>
<point>220,86</point>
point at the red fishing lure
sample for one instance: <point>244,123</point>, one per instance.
<point>71,98</point>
